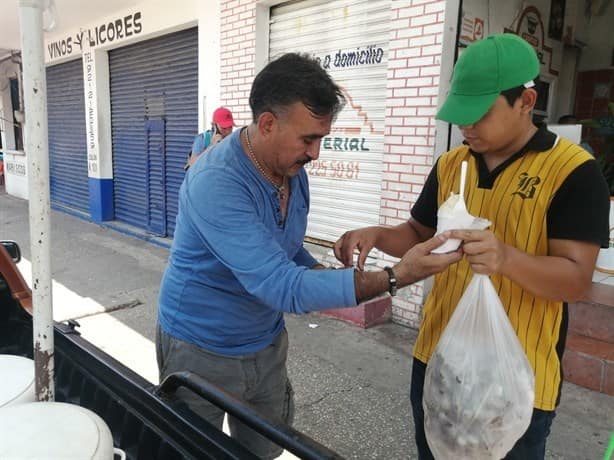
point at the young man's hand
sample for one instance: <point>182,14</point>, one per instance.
<point>484,251</point>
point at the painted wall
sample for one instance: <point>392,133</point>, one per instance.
<point>148,20</point>
<point>142,21</point>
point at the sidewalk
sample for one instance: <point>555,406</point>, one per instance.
<point>351,385</point>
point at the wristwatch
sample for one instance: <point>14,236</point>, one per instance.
<point>392,281</point>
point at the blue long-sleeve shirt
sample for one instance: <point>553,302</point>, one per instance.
<point>234,268</point>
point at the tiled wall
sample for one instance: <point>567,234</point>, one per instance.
<point>412,86</point>
<point>237,43</point>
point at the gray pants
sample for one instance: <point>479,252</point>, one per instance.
<point>260,378</point>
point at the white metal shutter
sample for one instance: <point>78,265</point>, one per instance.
<point>154,118</point>
<point>69,184</point>
<point>350,37</point>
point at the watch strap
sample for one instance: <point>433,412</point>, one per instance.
<point>392,281</point>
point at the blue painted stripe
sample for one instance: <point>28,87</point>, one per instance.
<point>101,199</point>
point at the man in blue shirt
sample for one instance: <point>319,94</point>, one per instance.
<point>238,263</point>
<point>221,127</point>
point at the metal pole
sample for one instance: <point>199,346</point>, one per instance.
<point>37,153</point>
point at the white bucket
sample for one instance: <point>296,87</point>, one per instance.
<point>17,381</point>
<point>54,430</point>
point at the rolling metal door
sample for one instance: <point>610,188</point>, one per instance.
<point>350,38</point>
<point>154,118</point>
<point>67,135</point>
<point>156,181</point>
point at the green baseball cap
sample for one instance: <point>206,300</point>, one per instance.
<point>484,69</point>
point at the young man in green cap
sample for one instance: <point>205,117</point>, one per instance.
<point>548,204</point>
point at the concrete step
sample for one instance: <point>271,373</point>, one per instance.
<point>594,315</point>
<point>370,313</point>
<point>589,353</point>
<point>589,363</point>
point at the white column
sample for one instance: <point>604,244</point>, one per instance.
<point>208,62</point>
<point>98,131</point>
<point>37,151</point>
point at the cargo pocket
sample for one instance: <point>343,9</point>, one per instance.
<point>288,409</point>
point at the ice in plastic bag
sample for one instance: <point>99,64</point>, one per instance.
<point>479,386</point>
<point>453,215</point>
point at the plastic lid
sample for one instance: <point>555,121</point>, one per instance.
<point>53,430</point>
<point>17,382</point>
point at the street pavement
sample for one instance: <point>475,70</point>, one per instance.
<point>351,384</point>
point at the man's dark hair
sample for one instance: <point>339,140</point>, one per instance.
<point>291,78</point>
<point>512,94</point>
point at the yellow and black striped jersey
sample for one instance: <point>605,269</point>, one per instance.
<point>517,198</point>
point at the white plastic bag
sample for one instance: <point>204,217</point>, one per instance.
<point>479,386</point>
<point>453,215</point>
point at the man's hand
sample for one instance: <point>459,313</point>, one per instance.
<point>192,159</point>
<point>215,139</point>
<point>363,240</point>
<point>484,251</point>
<point>418,263</point>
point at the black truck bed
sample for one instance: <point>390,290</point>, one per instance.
<point>143,422</point>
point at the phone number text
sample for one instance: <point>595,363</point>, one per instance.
<point>334,169</point>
